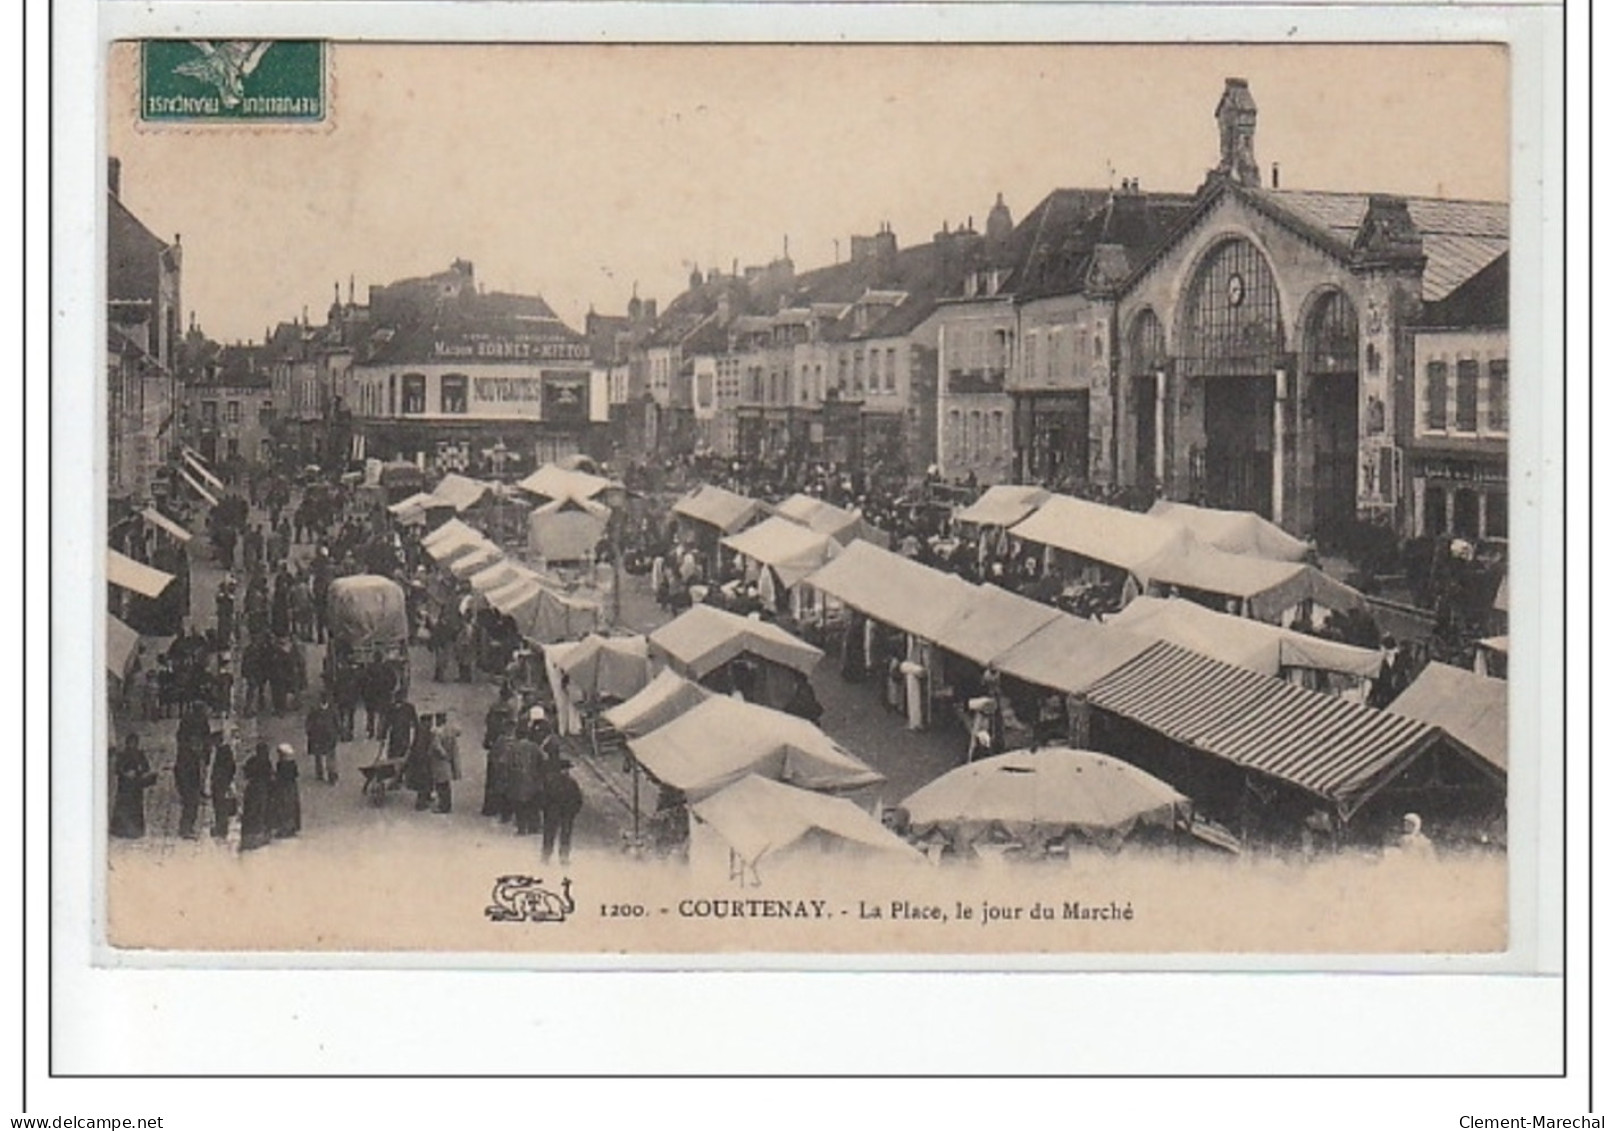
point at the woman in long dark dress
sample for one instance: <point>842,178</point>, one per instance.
<point>285,806</point>
<point>259,773</point>
<point>221,789</point>
<point>134,776</point>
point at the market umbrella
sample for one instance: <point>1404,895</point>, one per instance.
<point>1037,797</point>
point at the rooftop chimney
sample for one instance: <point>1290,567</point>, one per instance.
<point>1236,125</point>
<point>1275,174</point>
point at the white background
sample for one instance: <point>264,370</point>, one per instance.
<point>413,1022</point>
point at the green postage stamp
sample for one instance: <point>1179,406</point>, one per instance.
<point>229,80</point>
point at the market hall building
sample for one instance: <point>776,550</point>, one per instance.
<point>1267,349</point>
<point>454,378</point>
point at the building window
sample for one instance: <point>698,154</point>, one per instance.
<point>232,447</point>
<point>1435,396</point>
<point>452,393</point>
<point>1231,318</point>
<point>891,369</point>
<point>413,401</point>
<point>232,412</point>
<point>841,372</point>
<point>266,414</point>
<point>1033,346</point>
<point>1497,395</point>
<point>858,371</point>
<point>1468,414</point>
<point>210,414</point>
<point>1496,514</point>
<point>997,434</point>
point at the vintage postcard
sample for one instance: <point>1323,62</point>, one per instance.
<point>878,500</point>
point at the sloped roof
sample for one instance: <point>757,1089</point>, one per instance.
<point>717,507</point>
<point>1004,504</point>
<point>703,638</point>
<point>722,740</point>
<point>133,255</point>
<point>1472,708</point>
<point>991,622</point>
<point>1117,537</point>
<point>793,551</point>
<point>1082,240</point>
<point>1334,749</point>
<point>1460,236</point>
<point>892,589</point>
<point>1245,643</point>
<point>1481,302</point>
<point>757,816</point>
<point>1237,532</point>
<point>1069,654</point>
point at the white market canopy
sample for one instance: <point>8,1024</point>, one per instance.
<point>1070,654</point>
<point>716,507</point>
<point>703,639</point>
<point>1110,535</point>
<point>137,577</point>
<point>1237,532</point>
<point>1472,708</point>
<point>843,525</point>
<point>190,481</point>
<point>992,621</point>
<point>1259,647</point>
<point>892,589</point>
<point>452,530</point>
<point>498,575</point>
<point>121,644</point>
<point>790,550</point>
<point>566,530</point>
<point>658,703</point>
<point>460,492</point>
<point>167,525</point>
<point>413,509</point>
<point>478,559</point>
<point>1003,504</point>
<point>758,817</point>
<point>722,740</point>
<point>1265,588</point>
<point>198,465</point>
<point>615,667</point>
<point>559,483</point>
<point>544,615</point>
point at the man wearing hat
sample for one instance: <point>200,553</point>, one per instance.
<point>562,801</point>
<point>526,774</point>
<point>445,760</point>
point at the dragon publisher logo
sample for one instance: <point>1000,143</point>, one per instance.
<point>523,899</point>
<point>237,80</point>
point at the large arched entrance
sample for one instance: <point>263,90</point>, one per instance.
<point>1329,413</point>
<point>1232,347</point>
<point>1146,372</point>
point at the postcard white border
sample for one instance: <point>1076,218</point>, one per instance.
<point>94,1002</point>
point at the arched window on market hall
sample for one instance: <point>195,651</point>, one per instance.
<point>1146,345</point>
<point>1232,325</point>
<point>1331,336</point>
<point>1146,358</point>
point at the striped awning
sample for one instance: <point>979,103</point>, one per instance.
<point>1337,750</point>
